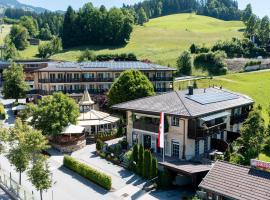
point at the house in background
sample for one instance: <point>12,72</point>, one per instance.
<point>97,77</point>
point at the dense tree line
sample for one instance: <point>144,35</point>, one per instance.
<point>93,26</point>
<point>222,9</point>
<point>49,22</point>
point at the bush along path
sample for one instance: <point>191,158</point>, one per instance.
<point>87,172</point>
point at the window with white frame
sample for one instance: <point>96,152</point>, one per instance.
<point>175,121</point>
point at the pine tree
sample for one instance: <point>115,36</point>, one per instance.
<point>135,153</point>
<point>140,164</point>
<point>147,164</point>
<point>154,170</point>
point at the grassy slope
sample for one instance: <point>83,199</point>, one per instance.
<point>5,32</point>
<point>162,39</point>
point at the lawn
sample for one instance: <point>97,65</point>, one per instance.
<point>4,32</point>
<point>162,39</point>
<point>255,84</point>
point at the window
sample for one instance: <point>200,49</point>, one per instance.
<point>197,147</point>
<point>76,76</point>
<point>76,87</point>
<point>175,121</point>
<point>134,138</point>
<point>175,149</point>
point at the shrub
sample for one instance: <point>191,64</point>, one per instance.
<point>87,172</point>
<point>124,144</point>
<point>106,136</point>
<point>140,160</point>
<point>102,155</point>
<point>99,145</point>
<point>213,62</point>
<point>2,112</point>
<point>147,164</point>
<point>135,151</point>
<point>253,63</point>
<point>154,170</point>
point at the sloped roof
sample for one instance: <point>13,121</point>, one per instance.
<point>237,182</point>
<point>86,99</point>
<point>104,66</point>
<point>179,103</point>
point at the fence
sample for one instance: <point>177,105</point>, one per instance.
<point>15,189</point>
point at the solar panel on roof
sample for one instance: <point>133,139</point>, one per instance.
<point>208,98</point>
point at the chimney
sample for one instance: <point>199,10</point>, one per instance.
<point>190,90</point>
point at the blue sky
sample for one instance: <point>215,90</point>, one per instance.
<point>260,7</point>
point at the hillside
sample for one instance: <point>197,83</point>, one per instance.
<point>162,39</point>
<point>4,32</point>
<point>16,4</point>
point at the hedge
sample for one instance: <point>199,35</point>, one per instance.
<point>87,172</point>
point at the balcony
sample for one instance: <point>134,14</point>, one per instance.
<point>75,80</point>
<point>161,79</point>
<point>140,125</point>
<point>79,91</point>
<point>236,119</point>
<point>163,90</point>
<point>195,132</point>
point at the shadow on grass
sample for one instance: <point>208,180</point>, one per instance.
<point>83,180</point>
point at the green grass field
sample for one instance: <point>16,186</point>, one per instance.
<point>162,39</point>
<point>5,31</point>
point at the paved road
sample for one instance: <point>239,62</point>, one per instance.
<point>3,195</point>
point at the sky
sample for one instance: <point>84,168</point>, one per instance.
<point>260,7</point>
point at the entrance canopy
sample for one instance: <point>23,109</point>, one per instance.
<point>185,167</point>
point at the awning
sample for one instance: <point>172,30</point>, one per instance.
<point>73,129</point>
<point>215,116</point>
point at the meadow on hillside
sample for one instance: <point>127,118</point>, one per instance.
<point>162,39</point>
<point>5,29</point>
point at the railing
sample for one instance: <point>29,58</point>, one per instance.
<point>79,91</point>
<point>163,89</point>
<point>13,187</point>
<point>199,133</point>
<point>236,119</point>
<point>148,127</point>
<point>75,80</point>
<point>160,78</point>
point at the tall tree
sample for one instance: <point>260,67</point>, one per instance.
<point>251,26</point>
<point>247,13</point>
<point>249,145</point>
<point>130,85</point>
<point>30,24</point>
<point>141,16</point>
<point>10,52</point>
<point>40,175</point>
<point>185,63</point>
<point>25,143</point>
<point>264,31</point>
<point>18,36</point>
<point>68,28</point>
<point>53,113</point>
<point>14,85</point>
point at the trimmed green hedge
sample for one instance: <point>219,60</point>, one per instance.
<point>87,172</point>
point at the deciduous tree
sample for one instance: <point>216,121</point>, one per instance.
<point>40,175</point>
<point>185,63</point>
<point>130,85</point>
<point>14,85</point>
<point>55,112</point>
<point>18,36</point>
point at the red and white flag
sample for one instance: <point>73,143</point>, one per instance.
<point>161,131</point>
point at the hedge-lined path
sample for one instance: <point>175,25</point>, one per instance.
<point>125,184</point>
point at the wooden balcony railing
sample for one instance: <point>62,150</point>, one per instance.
<point>199,133</point>
<point>148,127</point>
<point>236,119</point>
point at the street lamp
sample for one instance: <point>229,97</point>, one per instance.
<point>54,183</point>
